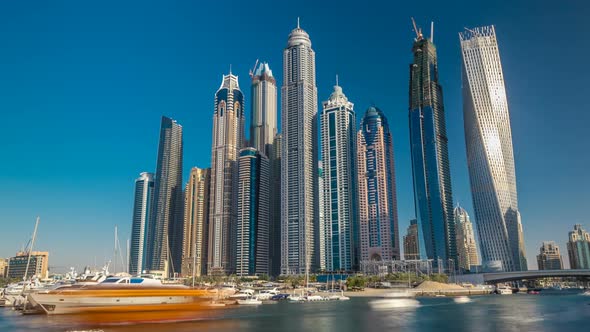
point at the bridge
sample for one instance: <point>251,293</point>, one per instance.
<point>499,277</point>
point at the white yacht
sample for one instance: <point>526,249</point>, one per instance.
<point>242,294</point>
<point>504,290</point>
<point>253,300</point>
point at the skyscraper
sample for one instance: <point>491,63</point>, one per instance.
<point>490,159</point>
<point>379,236</point>
<point>264,138</point>
<point>165,232</point>
<point>321,220</point>
<point>549,257</point>
<point>338,140</point>
<point>196,222</point>
<point>263,122</point>
<point>298,155</point>
<point>411,242</point>
<point>252,246</point>
<point>144,193</point>
<point>228,138</point>
<point>433,197</point>
<point>578,248</point>
<point>466,247</point>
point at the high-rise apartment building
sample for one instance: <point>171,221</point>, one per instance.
<point>338,142</point>
<point>196,222</point>
<point>411,242</point>
<point>299,180</point>
<point>578,248</point>
<point>142,204</point>
<point>38,265</point>
<point>253,212</point>
<point>466,247</point>
<point>166,219</point>
<point>275,207</point>
<point>228,138</point>
<point>490,157</point>
<point>549,257</point>
<point>433,197</point>
<point>377,200</point>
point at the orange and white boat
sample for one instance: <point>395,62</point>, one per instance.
<point>137,298</point>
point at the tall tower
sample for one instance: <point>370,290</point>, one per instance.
<point>466,247</point>
<point>490,158</point>
<point>275,207</point>
<point>165,232</point>
<point>578,248</point>
<point>144,193</point>
<point>549,257</point>
<point>298,155</point>
<point>433,198</point>
<point>338,140</point>
<point>196,222</point>
<point>379,236</point>
<point>228,138</point>
<point>263,122</point>
<point>252,246</point>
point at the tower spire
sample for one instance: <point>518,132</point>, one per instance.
<point>336,79</point>
<point>230,68</point>
<point>298,23</point>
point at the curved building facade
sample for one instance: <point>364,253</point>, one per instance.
<point>144,193</point>
<point>490,157</point>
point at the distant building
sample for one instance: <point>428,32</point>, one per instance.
<point>338,143</point>
<point>490,156</point>
<point>411,242</point>
<point>253,212</point>
<point>466,247</point>
<point>196,222</point>
<point>549,257</point>
<point>578,248</point>
<point>379,236</point>
<point>166,220</point>
<point>3,267</point>
<point>38,265</point>
<point>321,220</point>
<point>142,204</point>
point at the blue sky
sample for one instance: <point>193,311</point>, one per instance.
<point>83,86</point>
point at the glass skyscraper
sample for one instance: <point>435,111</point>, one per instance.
<point>379,236</point>
<point>299,181</point>
<point>253,213</point>
<point>144,193</point>
<point>165,231</point>
<point>228,138</point>
<point>490,158</point>
<point>433,196</point>
<point>338,141</point>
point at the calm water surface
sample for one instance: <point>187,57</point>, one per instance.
<point>561,311</point>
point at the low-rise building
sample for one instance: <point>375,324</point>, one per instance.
<point>38,265</point>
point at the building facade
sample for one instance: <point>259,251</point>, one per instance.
<point>142,204</point>
<point>38,265</point>
<point>196,222</point>
<point>166,220</point>
<point>228,139</point>
<point>252,246</point>
<point>340,218</point>
<point>377,200</point>
<point>433,197</point>
<point>549,257</point>
<point>490,155</point>
<point>578,248</point>
<point>411,242</point>
<point>3,267</point>
<point>299,181</point>
<point>466,247</point>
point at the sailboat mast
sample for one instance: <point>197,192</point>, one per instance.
<point>31,248</point>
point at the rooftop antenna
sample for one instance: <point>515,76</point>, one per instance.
<point>432,31</point>
<point>417,30</point>
<point>298,22</point>
<point>230,68</point>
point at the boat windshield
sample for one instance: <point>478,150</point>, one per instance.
<point>136,280</point>
<point>111,280</point>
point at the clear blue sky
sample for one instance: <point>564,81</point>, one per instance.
<point>83,87</point>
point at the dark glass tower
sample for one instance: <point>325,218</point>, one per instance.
<point>433,197</point>
<point>166,220</point>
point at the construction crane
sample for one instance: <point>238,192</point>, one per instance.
<point>417,30</point>
<point>253,70</point>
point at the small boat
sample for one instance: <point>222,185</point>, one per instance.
<point>503,290</point>
<point>533,292</point>
<point>242,295</point>
<point>461,299</point>
<point>250,301</point>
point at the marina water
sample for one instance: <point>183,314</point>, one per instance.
<point>550,311</point>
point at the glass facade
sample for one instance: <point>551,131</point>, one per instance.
<point>144,192</point>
